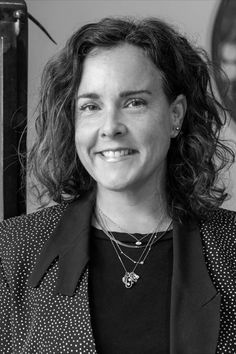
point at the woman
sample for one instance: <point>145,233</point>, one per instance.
<point>137,257</point>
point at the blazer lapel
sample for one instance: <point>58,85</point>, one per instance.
<point>70,243</point>
<point>195,303</point>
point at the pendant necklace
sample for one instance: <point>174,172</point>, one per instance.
<point>130,277</point>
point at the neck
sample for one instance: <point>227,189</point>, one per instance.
<point>135,212</point>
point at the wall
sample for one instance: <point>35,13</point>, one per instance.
<point>194,18</point>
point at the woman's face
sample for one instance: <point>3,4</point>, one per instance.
<point>124,122</point>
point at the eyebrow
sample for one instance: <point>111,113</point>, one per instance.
<point>122,94</point>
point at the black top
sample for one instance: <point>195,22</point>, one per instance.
<point>134,320</point>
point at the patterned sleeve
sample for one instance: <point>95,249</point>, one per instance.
<point>5,313</point>
<point>228,229</point>
<point>234,239</point>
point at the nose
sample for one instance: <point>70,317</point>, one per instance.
<point>113,125</point>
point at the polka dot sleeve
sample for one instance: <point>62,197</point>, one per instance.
<point>5,312</point>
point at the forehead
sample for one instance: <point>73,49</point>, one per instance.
<point>125,65</point>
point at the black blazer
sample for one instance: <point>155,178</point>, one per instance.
<point>44,283</point>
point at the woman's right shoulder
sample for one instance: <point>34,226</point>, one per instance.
<point>30,228</point>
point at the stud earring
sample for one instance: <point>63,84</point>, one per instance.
<point>177,128</point>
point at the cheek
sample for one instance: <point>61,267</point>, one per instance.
<point>85,141</point>
<point>80,142</point>
<point>81,135</point>
<point>157,138</point>
<point>82,151</point>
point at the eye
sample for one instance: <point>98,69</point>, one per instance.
<point>89,107</point>
<point>136,103</point>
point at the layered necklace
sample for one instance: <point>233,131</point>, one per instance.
<point>130,277</point>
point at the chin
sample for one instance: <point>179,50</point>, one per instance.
<point>116,184</point>
<point>116,187</point>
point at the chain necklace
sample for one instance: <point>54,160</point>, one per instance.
<point>115,242</point>
<point>151,242</point>
<point>138,240</point>
<point>118,241</point>
<point>130,278</point>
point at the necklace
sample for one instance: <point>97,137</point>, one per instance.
<point>146,251</point>
<point>118,241</point>
<point>115,243</point>
<point>138,240</point>
<point>130,277</point>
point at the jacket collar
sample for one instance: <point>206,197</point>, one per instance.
<point>69,243</point>
<point>195,304</point>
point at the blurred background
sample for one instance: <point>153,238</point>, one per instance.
<point>207,23</point>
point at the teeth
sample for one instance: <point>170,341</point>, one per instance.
<point>117,153</point>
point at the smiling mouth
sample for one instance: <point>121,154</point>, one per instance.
<point>117,153</point>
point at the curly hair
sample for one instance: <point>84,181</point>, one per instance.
<point>195,157</point>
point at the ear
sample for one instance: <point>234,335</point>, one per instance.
<point>178,110</point>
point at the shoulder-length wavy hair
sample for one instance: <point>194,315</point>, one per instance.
<point>195,157</point>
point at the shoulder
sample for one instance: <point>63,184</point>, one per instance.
<point>220,228</point>
<point>220,218</point>
<point>28,230</point>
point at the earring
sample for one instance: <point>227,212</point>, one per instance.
<point>177,128</point>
